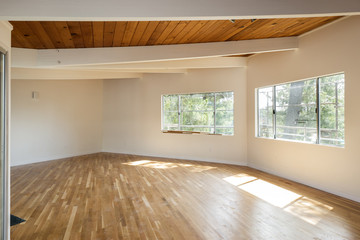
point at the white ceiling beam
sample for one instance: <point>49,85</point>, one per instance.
<point>97,56</point>
<point>111,10</point>
<point>214,62</point>
<point>68,74</point>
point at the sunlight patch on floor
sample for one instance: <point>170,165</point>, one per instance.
<point>305,208</point>
<point>140,162</point>
<point>270,193</point>
<point>238,179</point>
<point>309,210</point>
<point>167,165</point>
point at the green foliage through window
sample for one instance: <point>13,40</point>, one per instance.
<point>200,112</point>
<point>307,111</point>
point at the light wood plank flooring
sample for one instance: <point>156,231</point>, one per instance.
<point>115,196</point>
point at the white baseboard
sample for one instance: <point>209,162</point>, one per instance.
<point>183,158</point>
<point>51,158</point>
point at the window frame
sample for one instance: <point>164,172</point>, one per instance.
<point>214,112</point>
<point>318,106</point>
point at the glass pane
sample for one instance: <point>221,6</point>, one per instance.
<point>296,111</point>
<point>224,118</point>
<point>341,94</point>
<point>197,102</point>
<point>171,121</point>
<point>224,101</point>
<point>225,131</point>
<point>170,103</point>
<point>198,129</point>
<point>197,119</point>
<point>332,118</point>
<point>265,112</point>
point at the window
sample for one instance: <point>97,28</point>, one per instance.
<point>309,111</point>
<point>200,112</point>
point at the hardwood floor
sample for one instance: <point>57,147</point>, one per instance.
<point>115,196</point>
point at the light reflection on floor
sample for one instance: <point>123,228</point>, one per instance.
<point>167,165</point>
<point>309,210</point>
<point>305,208</point>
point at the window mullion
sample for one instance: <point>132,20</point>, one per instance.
<point>162,113</point>
<point>274,112</point>
<point>336,109</point>
<point>214,113</point>
<point>257,113</point>
<point>179,111</point>
<point>318,110</point>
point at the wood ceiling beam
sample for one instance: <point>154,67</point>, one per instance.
<point>97,56</point>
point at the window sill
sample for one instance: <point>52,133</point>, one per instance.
<point>193,133</point>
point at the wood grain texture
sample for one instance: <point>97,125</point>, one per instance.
<point>50,35</point>
<point>116,196</point>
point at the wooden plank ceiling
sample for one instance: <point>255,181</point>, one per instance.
<point>55,35</point>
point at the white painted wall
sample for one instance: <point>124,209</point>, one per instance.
<point>65,121</point>
<point>165,9</point>
<point>132,116</point>
<point>329,50</point>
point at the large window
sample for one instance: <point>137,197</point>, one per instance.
<point>201,112</point>
<point>309,111</point>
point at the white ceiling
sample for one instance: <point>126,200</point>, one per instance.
<point>123,10</point>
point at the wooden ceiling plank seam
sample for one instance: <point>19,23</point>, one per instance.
<point>175,32</point>
<point>157,32</point>
<point>109,29</point>
<point>193,31</point>
<point>308,27</point>
<point>140,29</point>
<point>294,29</point>
<point>65,34</point>
<point>20,38</point>
<point>252,29</point>
<point>310,24</point>
<point>54,35</point>
<point>264,30</point>
<point>15,41</point>
<point>148,32</point>
<point>189,26</point>
<point>43,36</point>
<point>249,29</point>
<point>239,26</point>
<point>75,31</point>
<point>220,31</point>
<point>169,28</point>
<point>215,27</point>
<point>129,33</point>
<point>282,28</point>
<point>98,32</point>
<point>87,33</point>
<point>201,31</point>
<point>28,34</point>
<point>119,33</point>
<point>324,22</point>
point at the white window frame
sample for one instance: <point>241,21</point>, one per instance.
<point>214,126</point>
<point>318,113</point>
